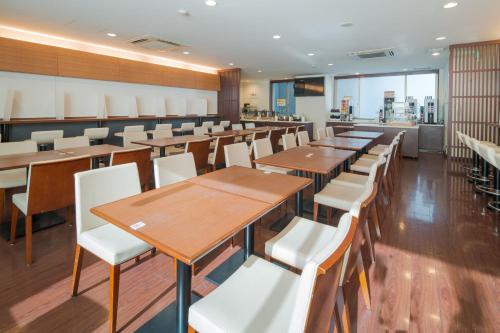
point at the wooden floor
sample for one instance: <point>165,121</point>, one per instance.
<point>437,269</point>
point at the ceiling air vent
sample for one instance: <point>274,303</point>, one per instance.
<point>155,43</point>
<point>370,54</point>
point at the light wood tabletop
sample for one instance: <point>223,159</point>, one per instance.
<point>320,160</point>
<point>271,188</point>
<point>183,220</point>
<point>173,141</point>
<point>342,143</point>
<point>361,134</point>
<point>244,132</point>
<point>23,160</point>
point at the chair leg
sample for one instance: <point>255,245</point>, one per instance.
<point>2,203</point>
<point>13,223</point>
<point>329,211</point>
<point>362,281</point>
<point>343,310</point>
<point>368,239</point>
<point>114,284</point>
<point>190,329</point>
<point>315,211</point>
<point>28,239</point>
<point>77,269</point>
<point>374,216</point>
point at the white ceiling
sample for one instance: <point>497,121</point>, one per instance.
<point>241,31</point>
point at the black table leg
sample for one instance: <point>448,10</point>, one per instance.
<point>162,151</point>
<point>95,163</point>
<point>298,203</point>
<point>317,182</point>
<point>183,296</point>
<point>249,240</point>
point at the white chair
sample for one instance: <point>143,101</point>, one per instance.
<point>217,129</point>
<point>74,142</point>
<point>225,123</point>
<point>329,132</point>
<point>163,127</point>
<point>44,138</point>
<point>200,131</point>
<point>14,177</point>
<point>131,136</point>
<point>289,141</point>
<point>162,133</point>
<point>263,148</point>
<point>237,154</point>
<point>303,138</point>
<point>173,169</point>
<point>134,128</point>
<point>237,127</point>
<point>106,241</point>
<point>357,180</point>
<point>96,134</point>
<point>207,124</point>
<point>249,125</point>
<point>185,128</point>
<point>263,297</point>
<point>321,133</point>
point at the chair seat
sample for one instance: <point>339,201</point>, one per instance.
<point>274,169</point>
<point>112,244</point>
<point>378,149</point>
<point>258,297</point>
<point>338,196</point>
<point>13,178</point>
<point>21,201</point>
<point>368,157</point>
<point>363,165</point>
<point>299,242</point>
<point>350,179</point>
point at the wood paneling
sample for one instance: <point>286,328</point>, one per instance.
<point>228,98</point>
<point>24,57</point>
<point>474,94</point>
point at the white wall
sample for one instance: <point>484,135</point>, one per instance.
<point>36,96</point>
<point>256,93</point>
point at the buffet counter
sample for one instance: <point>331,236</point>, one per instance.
<point>281,123</point>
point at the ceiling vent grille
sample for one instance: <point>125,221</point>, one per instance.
<point>156,44</point>
<point>371,54</point>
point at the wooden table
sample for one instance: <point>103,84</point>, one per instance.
<point>318,160</point>
<point>23,160</point>
<point>186,221</point>
<point>342,143</point>
<point>174,141</point>
<point>241,133</point>
<point>361,134</point>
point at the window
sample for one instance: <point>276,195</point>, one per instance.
<point>367,93</point>
<point>283,99</point>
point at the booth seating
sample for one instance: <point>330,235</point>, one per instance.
<point>74,142</point>
<point>263,297</point>
<point>96,135</point>
<point>46,138</point>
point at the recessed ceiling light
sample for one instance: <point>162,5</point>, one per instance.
<point>111,34</point>
<point>310,54</point>
<point>436,54</point>
<point>276,36</point>
<point>259,71</point>
<point>441,38</point>
<point>346,24</point>
<point>357,73</point>
<point>450,5</point>
<point>286,78</point>
<point>183,12</point>
<point>405,69</point>
<point>231,64</point>
<point>210,3</point>
<point>330,64</point>
<point>186,52</point>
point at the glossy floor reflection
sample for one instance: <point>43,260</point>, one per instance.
<point>437,269</point>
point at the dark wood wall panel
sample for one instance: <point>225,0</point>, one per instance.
<point>474,94</point>
<point>228,98</point>
<point>24,57</point>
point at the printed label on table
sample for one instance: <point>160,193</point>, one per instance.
<point>310,155</point>
<point>138,225</point>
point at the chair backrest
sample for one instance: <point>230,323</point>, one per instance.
<point>225,123</point>
<point>97,133</point>
<point>262,148</point>
<point>329,132</point>
<point>163,127</point>
<point>130,136</point>
<point>173,169</point>
<point>275,136</point>
<point>237,154</point>
<point>207,124</point>
<point>217,128</point>
<point>290,129</point>
<point>321,133</point>
<point>237,127</point>
<point>74,142</point>
<point>200,150</point>
<point>51,185</point>
<point>221,142</point>
<point>187,126</point>
<point>303,138</point>
<point>318,284</point>
<point>299,128</point>
<point>200,131</point>
<point>163,133</point>
<point>249,125</point>
<point>44,137</point>
<point>18,147</point>
<point>141,156</point>
<point>289,141</point>
<point>134,128</point>
<point>101,186</point>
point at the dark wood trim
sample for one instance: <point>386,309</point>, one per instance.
<point>415,72</point>
<point>488,42</point>
<point>228,97</point>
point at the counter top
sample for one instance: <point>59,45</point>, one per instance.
<point>276,121</point>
